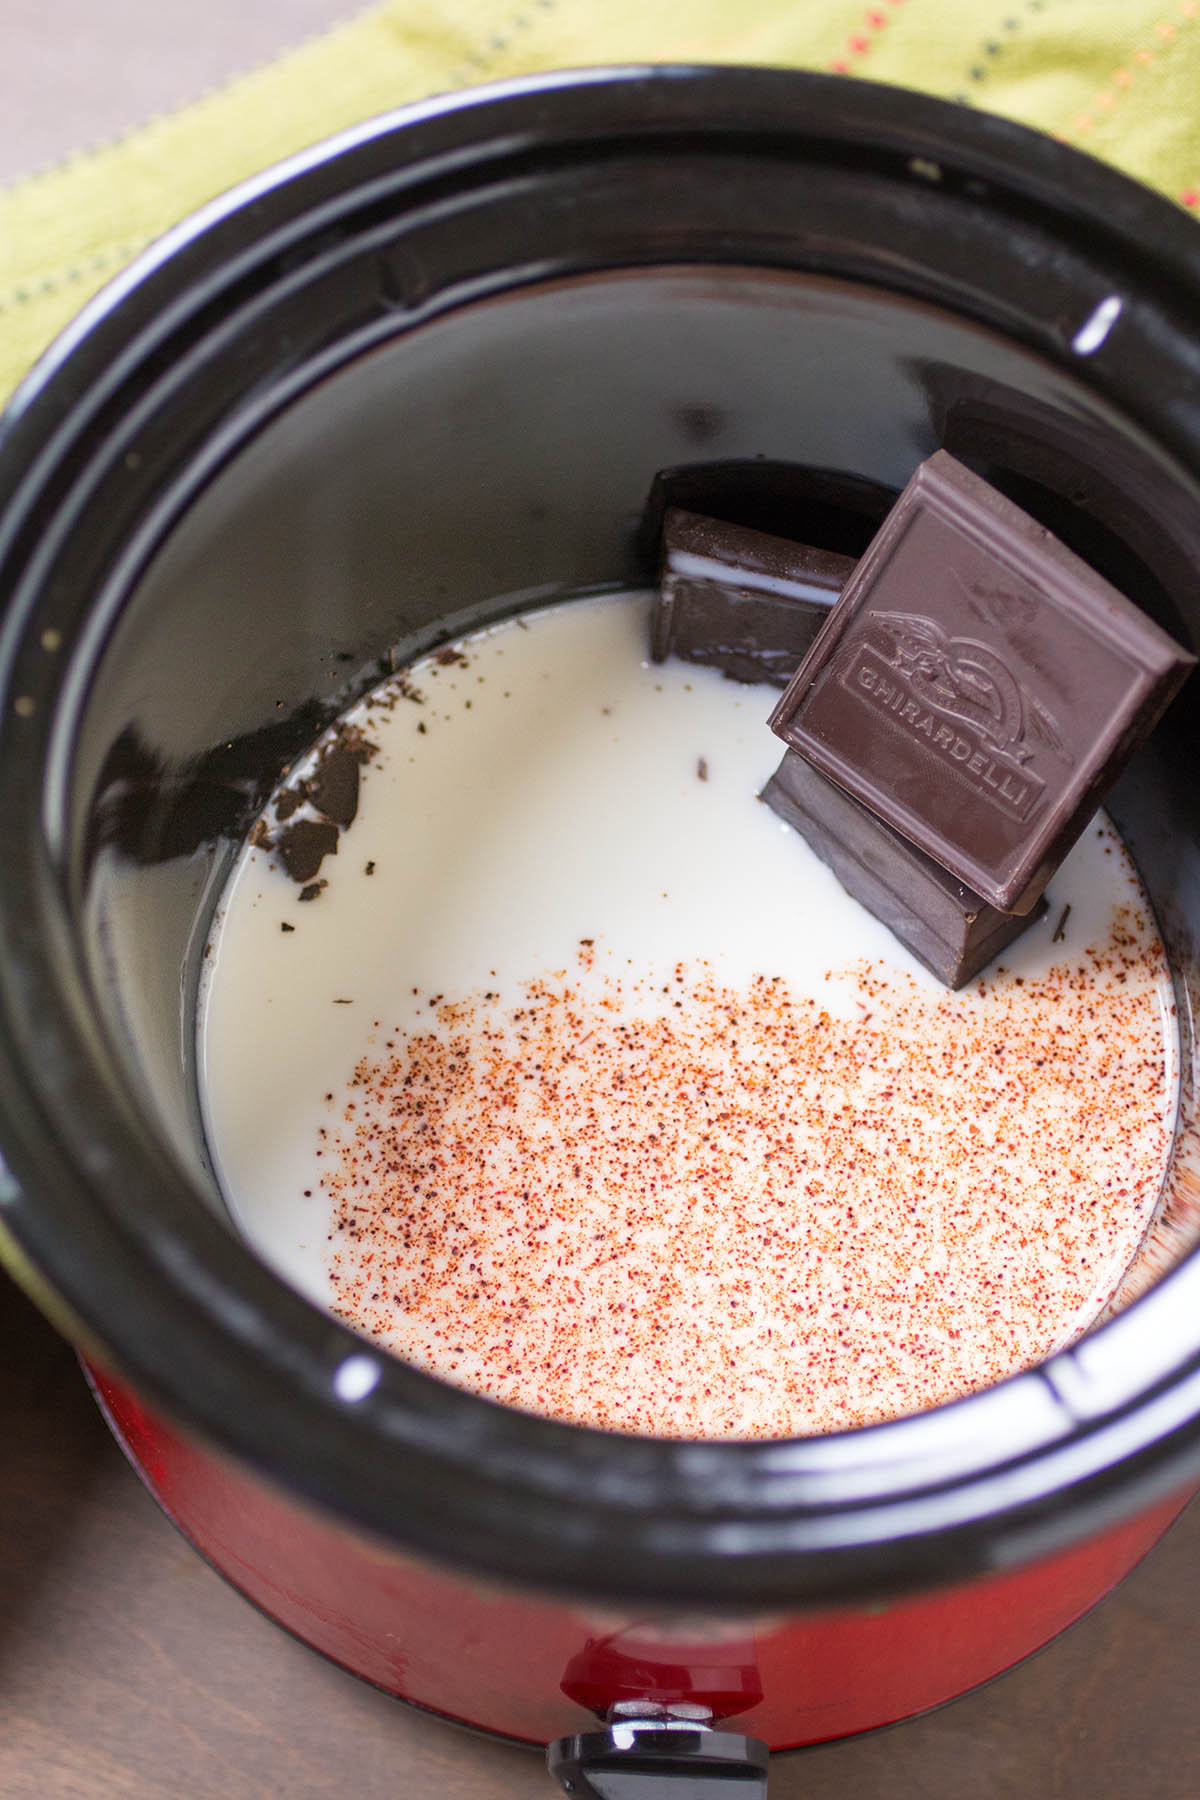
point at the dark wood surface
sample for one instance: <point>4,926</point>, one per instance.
<point>130,1671</point>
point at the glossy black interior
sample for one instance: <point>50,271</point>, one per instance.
<point>426,377</point>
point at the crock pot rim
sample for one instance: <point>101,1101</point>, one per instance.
<point>502,1468</point>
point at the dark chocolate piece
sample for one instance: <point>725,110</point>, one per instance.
<point>333,788</point>
<point>953,931</point>
<point>303,847</point>
<point>288,801</point>
<point>978,686</point>
<point>740,600</point>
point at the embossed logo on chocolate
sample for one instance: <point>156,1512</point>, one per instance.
<point>970,639</point>
<point>959,699</point>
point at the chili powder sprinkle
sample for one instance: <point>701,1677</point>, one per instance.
<point>671,1207</point>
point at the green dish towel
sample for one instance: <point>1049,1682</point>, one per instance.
<point>1120,78</point>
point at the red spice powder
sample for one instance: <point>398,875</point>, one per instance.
<point>672,1208</point>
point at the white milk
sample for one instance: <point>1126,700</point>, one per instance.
<point>556,790</point>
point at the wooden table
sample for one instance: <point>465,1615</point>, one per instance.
<point>128,1670</point>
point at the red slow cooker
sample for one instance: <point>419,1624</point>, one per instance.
<point>421,377</point>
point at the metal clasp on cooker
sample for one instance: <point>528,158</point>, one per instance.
<point>654,1752</point>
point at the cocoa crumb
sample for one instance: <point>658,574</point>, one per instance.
<point>290,801</point>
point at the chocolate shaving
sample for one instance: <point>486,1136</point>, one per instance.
<point>302,847</point>
<point>1061,928</point>
<point>351,739</point>
<point>333,789</point>
<point>312,890</point>
<point>290,801</point>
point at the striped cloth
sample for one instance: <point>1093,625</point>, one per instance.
<point>1120,78</point>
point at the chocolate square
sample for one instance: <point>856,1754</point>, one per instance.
<point>978,685</point>
<point>742,601</point>
<point>953,931</point>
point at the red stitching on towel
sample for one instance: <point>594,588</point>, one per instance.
<point>1123,78</point>
<point>860,43</point>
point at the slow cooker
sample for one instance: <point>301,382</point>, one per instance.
<point>418,378</point>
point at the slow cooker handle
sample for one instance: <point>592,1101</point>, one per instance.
<point>659,1759</point>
